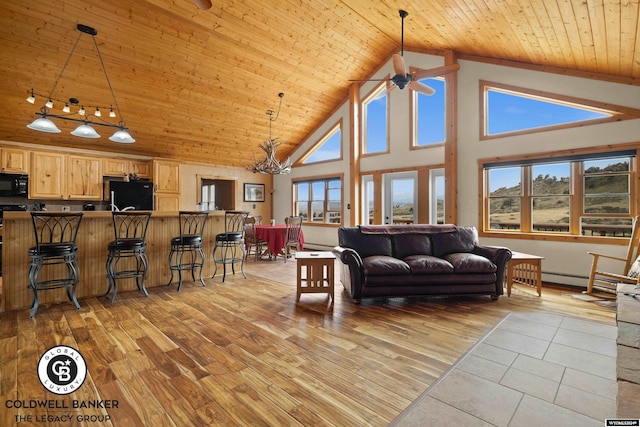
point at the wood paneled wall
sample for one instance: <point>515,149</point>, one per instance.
<point>96,231</point>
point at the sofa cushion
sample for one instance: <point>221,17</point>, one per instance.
<point>365,244</point>
<point>426,264</point>
<point>464,239</point>
<point>470,263</point>
<point>380,265</point>
<point>405,245</point>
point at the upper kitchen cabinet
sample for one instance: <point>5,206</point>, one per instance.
<point>166,176</point>
<point>65,177</point>
<point>14,160</point>
<point>141,168</point>
<point>121,167</point>
<point>46,177</point>
<point>84,180</point>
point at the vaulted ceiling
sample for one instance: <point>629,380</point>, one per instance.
<point>196,84</point>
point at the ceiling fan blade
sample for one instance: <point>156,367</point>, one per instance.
<point>419,73</point>
<point>203,4</point>
<point>398,64</point>
<point>421,88</point>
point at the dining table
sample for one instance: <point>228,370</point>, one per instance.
<point>275,236</point>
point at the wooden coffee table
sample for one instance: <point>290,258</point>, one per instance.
<point>525,269</point>
<point>319,273</point>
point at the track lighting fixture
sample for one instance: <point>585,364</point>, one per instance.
<point>85,129</point>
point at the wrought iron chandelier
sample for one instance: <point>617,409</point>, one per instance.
<point>85,129</point>
<point>271,165</point>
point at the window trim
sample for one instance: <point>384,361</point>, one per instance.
<point>618,112</point>
<point>577,191</point>
<point>383,86</point>
<point>324,178</point>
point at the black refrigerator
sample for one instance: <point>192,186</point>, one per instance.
<point>133,194</point>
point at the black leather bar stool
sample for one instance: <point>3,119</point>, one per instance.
<point>130,228</point>
<point>229,242</point>
<point>55,234</point>
<point>189,244</point>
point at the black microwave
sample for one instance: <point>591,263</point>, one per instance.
<point>13,185</point>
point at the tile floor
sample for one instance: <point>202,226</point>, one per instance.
<point>532,369</point>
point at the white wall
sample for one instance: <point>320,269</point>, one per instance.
<point>560,257</point>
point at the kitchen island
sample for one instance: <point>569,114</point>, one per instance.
<point>96,231</point>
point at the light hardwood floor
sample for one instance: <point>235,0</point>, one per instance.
<point>244,353</point>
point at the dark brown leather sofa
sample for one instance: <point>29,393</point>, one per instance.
<point>418,260</point>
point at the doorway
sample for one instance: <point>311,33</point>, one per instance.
<point>400,198</point>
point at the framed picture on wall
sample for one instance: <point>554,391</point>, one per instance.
<point>254,192</point>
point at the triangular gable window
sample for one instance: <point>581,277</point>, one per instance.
<point>328,148</point>
<point>510,110</point>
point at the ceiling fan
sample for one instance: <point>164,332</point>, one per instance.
<point>203,4</point>
<point>403,79</point>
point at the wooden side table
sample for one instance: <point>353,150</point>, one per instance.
<point>525,269</point>
<point>319,273</point>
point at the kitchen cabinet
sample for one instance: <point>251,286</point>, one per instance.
<point>84,180</point>
<point>114,167</point>
<point>166,179</point>
<point>166,202</point>
<point>46,177</point>
<point>142,168</point>
<point>49,179</point>
<point>166,176</point>
<point>120,167</point>
<point>14,160</point>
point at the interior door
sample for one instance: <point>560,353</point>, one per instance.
<point>400,198</point>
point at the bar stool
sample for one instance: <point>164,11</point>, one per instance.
<point>55,234</point>
<point>229,242</point>
<point>188,242</point>
<point>130,228</point>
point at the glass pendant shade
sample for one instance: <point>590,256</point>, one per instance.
<point>43,124</point>
<point>122,136</point>
<point>85,131</point>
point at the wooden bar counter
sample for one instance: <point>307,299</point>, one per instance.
<point>96,231</point>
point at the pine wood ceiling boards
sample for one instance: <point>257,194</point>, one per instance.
<point>195,84</point>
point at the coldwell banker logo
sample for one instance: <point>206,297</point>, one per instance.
<point>62,370</point>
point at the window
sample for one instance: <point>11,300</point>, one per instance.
<point>429,114</point>
<point>374,117</point>
<point>329,147</point>
<point>319,200</point>
<point>588,195</point>
<point>509,110</point>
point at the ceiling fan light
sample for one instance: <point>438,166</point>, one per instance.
<point>42,124</point>
<point>85,131</point>
<point>122,136</point>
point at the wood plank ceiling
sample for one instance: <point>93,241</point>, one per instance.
<point>195,85</point>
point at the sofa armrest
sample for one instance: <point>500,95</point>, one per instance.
<point>351,273</point>
<point>500,256</point>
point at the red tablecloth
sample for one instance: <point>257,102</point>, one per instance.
<point>275,236</point>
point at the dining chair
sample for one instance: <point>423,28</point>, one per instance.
<point>229,242</point>
<point>55,234</point>
<point>251,240</point>
<point>294,228</point>
<point>188,244</point>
